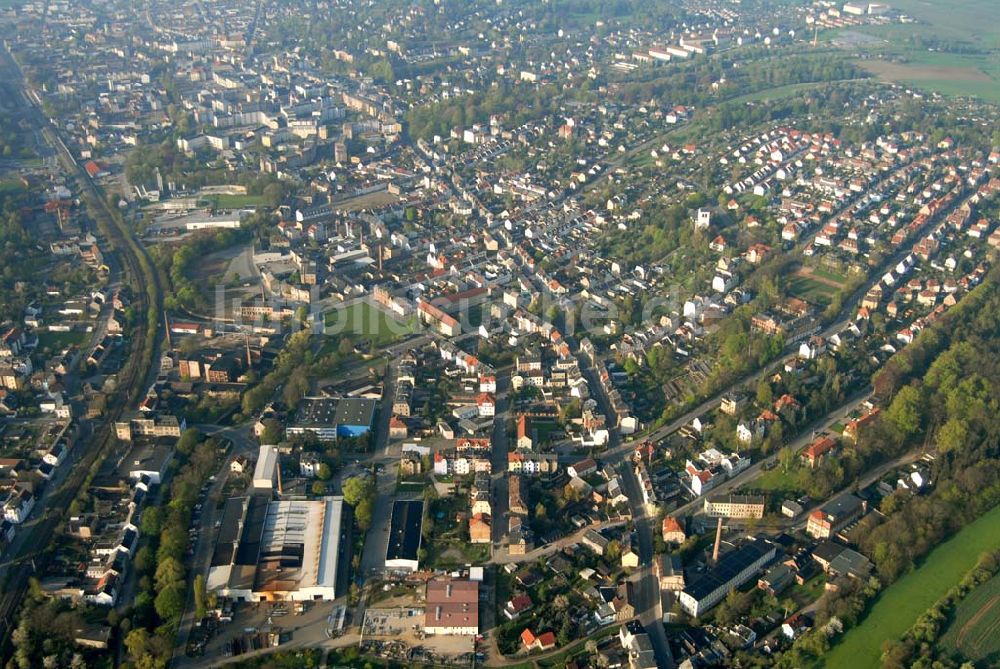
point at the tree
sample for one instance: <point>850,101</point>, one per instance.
<point>168,572</point>
<point>144,558</point>
<point>363,513</point>
<point>191,438</point>
<point>614,550</point>
<point>169,603</point>
<point>146,651</point>
<point>273,432</point>
<point>953,435</point>
<point>570,494</point>
<point>323,472</point>
<point>199,597</point>
<point>152,521</point>
<point>787,457</point>
<point>764,393</point>
<point>541,513</point>
<point>318,488</point>
<point>905,411</point>
<point>358,488</point>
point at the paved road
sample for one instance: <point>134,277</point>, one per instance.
<point>499,463</point>
<point>646,587</point>
<point>387,454</point>
<point>242,444</point>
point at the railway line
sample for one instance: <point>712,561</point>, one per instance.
<point>141,276</point>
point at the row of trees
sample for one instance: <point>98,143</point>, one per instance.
<point>359,492</point>
<point>19,258</point>
<point>163,588</point>
<point>919,646</point>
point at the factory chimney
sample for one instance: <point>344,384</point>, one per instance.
<point>280,492</point>
<point>718,541</point>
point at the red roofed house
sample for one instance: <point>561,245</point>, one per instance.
<point>397,428</point>
<point>523,432</point>
<point>673,533</point>
<point>480,531</point>
<point>854,427</point>
<point>543,641</point>
<point>758,253</point>
<point>487,404</point>
<point>516,606</point>
<point>438,319</point>
<point>814,453</point>
<point>94,169</point>
<point>185,328</point>
<point>488,384</point>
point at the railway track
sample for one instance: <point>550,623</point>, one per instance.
<point>141,276</point>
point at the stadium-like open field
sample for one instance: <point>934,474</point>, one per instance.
<point>814,287</point>
<point>975,630</point>
<point>363,320</point>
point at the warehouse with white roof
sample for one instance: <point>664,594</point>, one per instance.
<point>289,550</point>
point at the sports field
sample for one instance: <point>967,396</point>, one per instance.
<point>227,201</point>
<point>815,286</point>
<point>975,630</point>
<point>898,607</point>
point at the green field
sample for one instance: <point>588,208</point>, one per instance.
<point>810,290</point>
<point>974,21</point>
<point>10,187</point>
<point>899,606</point>
<point>829,275</point>
<point>233,201</point>
<point>777,481</point>
<point>953,48</point>
<point>363,321</point>
<point>56,341</point>
<point>975,629</point>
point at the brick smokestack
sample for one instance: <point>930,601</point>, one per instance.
<point>718,542</point>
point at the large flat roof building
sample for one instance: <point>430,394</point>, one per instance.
<point>265,472</point>
<point>278,551</point>
<point>452,607</point>
<point>731,571</point>
<point>355,416</point>
<point>404,535</point>
<point>148,457</point>
<point>330,418</point>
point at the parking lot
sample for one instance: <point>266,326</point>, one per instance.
<point>288,624</point>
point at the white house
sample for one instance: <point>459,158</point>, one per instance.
<point>487,404</point>
<point>18,506</point>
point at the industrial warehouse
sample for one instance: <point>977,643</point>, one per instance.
<point>280,550</point>
<point>404,536</point>
<point>330,419</point>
